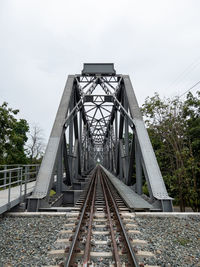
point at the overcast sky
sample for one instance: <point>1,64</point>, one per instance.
<point>156,42</point>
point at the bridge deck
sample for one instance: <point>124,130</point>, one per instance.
<point>15,198</point>
<point>132,200</point>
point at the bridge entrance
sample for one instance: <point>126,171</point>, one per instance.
<point>98,122</point>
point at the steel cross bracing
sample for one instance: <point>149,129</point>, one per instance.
<point>99,121</point>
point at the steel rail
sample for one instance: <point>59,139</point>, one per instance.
<point>109,201</point>
<point>86,256</point>
<point>115,250</point>
<point>130,249</point>
<point>72,247</point>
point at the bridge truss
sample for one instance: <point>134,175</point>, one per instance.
<point>99,122</point>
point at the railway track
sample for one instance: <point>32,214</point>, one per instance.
<point>98,232</point>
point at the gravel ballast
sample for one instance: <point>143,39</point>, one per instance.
<point>25,241</point>
<point>174,241</point>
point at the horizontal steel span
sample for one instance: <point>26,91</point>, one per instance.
<point>98,122</point>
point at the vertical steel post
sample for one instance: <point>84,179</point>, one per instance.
<point>80,137</point>
<point>116,140</point>
<point>18,175</point>
<point>5,174</point>
<point>120,163</point>
<point>88,154</point>
<point>131,160</point>
<point>110,141</point>
<point>126,137</point>
<point>28,173</point>
<point>21,185</point>
<point>9,189</point>
<point>138,167</point>
<point>25,181</point>
<point>60,170</point>
<point>108,152</point>
<point>76,159</point>
<point>71,137</point>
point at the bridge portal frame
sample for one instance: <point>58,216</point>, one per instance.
<point>118,140</point>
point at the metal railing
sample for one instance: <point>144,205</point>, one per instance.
<point>12,176</point>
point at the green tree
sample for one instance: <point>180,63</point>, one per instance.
<point>191,114</point>
<point>170,123</point>
<point>13,136</point>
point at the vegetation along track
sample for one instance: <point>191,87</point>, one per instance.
<point>99,233</point>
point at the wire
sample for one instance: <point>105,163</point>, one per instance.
<point>185,73</point>
<point>189,89</point>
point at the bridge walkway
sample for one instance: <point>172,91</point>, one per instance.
<point>16,183</point>
<point>17,194</point>
<point>133,201</point>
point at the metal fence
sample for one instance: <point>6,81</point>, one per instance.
<point>18,177</point>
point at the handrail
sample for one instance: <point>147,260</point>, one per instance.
<point>20,176</point>
<point>10,170</point>
<point>23,165</point>
<point>16,182</point>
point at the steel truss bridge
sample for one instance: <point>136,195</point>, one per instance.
<point>98,122</point>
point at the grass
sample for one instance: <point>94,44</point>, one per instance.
<point>52,192</point>
<point>182,241</point>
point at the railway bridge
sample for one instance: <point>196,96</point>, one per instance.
<point>97,160</point>
<point>99,122</point>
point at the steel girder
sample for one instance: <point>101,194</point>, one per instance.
<point>133,154</point>
<point>99,121</point>
<point>66,157</point>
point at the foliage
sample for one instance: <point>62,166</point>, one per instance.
<point>13,136</point>
<point>174,129</point>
